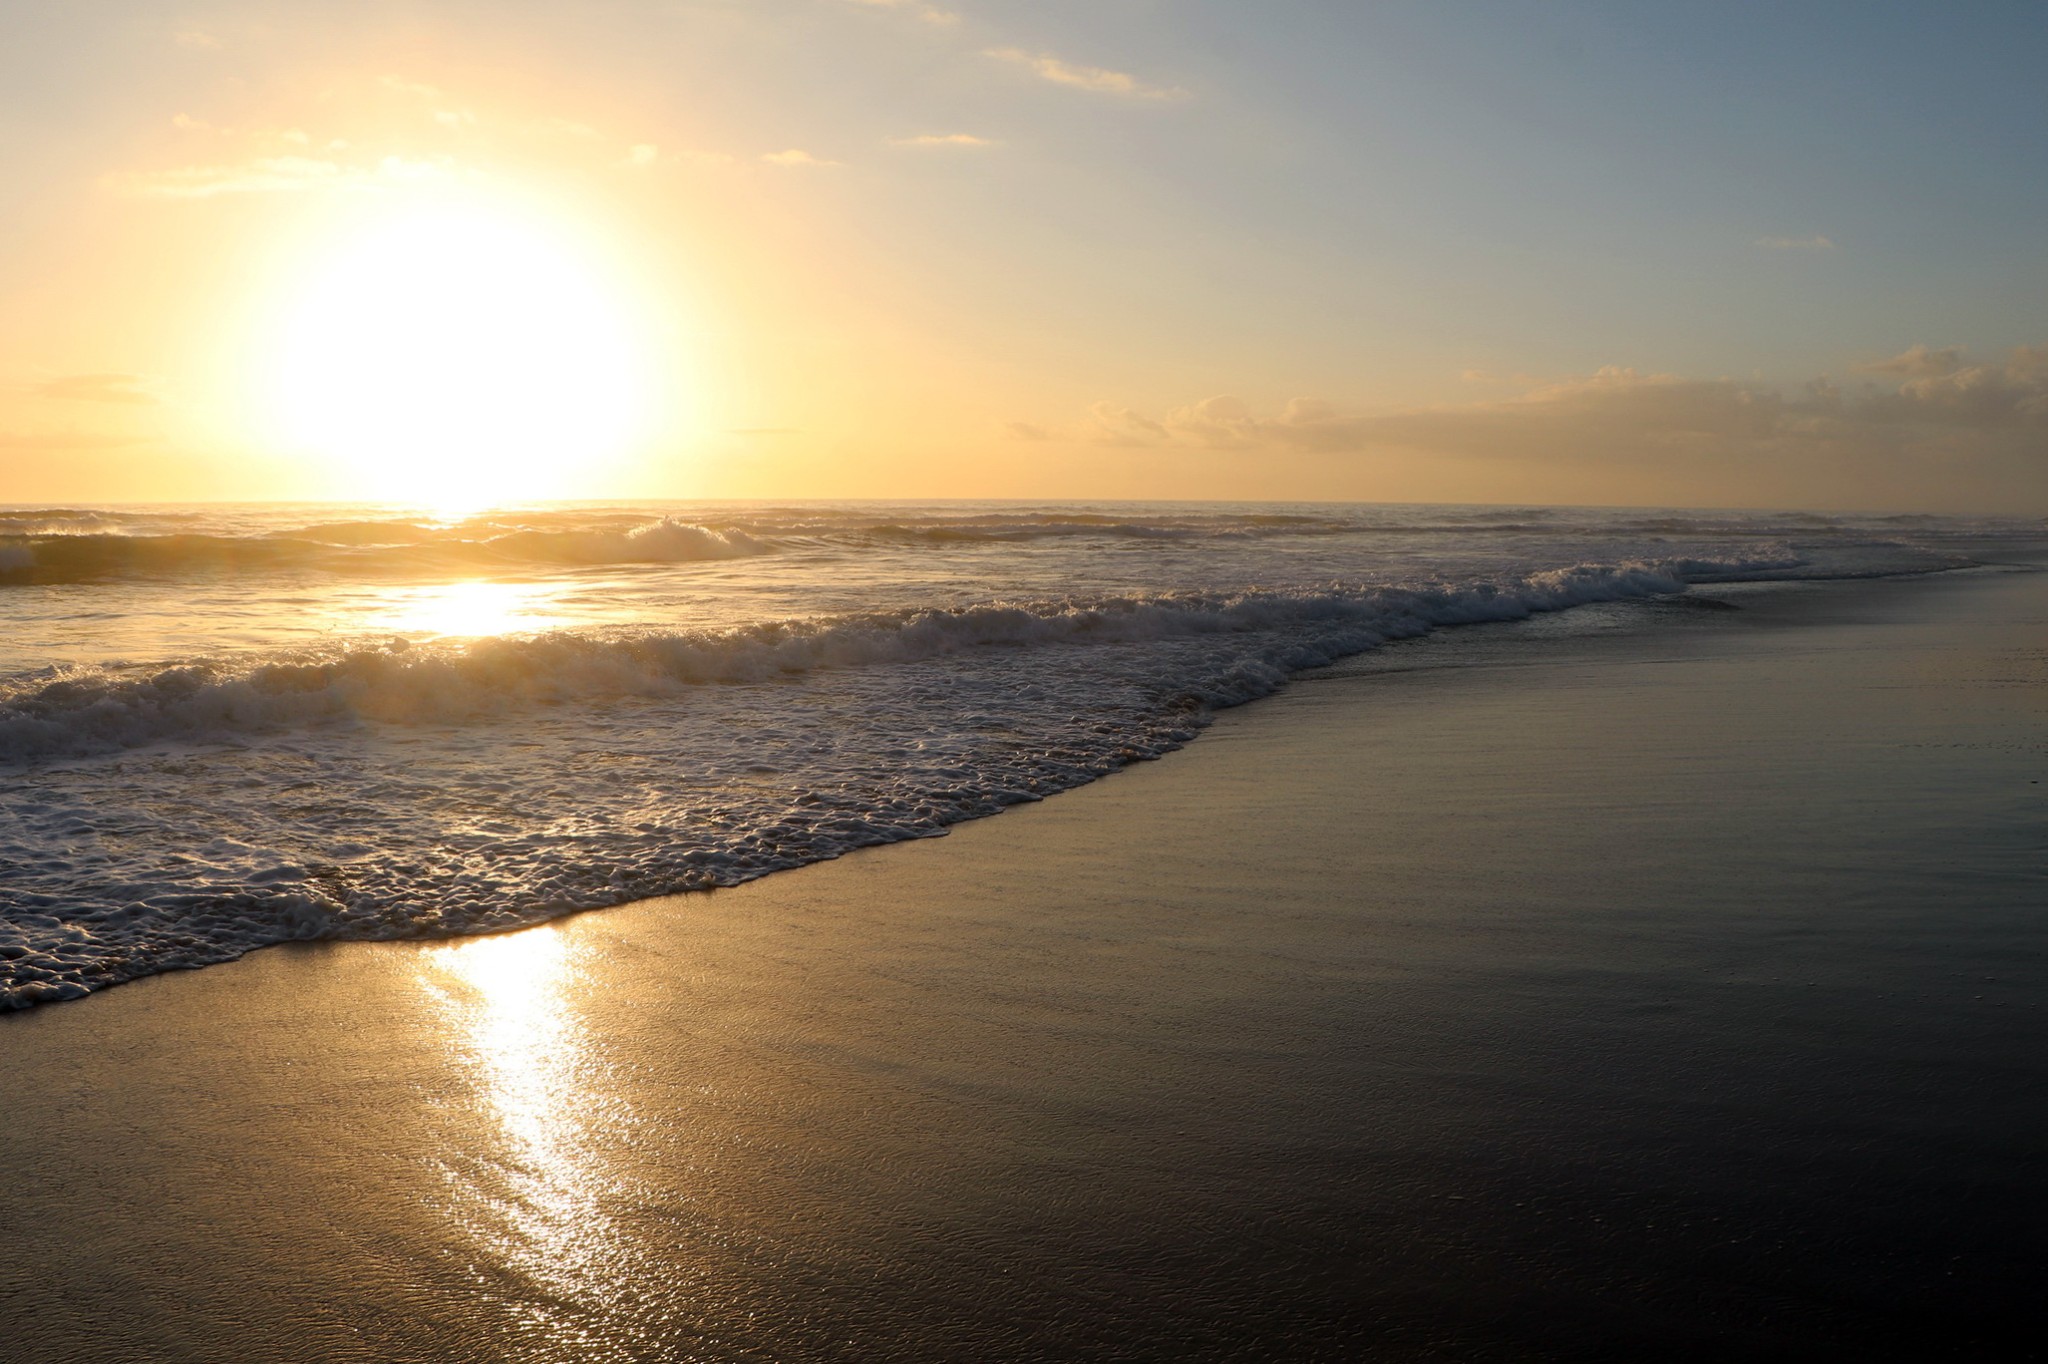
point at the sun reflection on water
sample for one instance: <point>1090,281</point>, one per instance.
<point>536,1202</point>
<point>469,610</point>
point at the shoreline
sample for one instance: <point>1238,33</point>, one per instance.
<point>1401,1011</point>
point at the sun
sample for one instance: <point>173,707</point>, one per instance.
<point>459,353</point>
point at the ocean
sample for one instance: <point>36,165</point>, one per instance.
<point>223,727</point>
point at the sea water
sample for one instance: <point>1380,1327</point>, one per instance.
<point>227,726</point>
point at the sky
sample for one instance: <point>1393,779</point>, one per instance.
<point>1788,255</point>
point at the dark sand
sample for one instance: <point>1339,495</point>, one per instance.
<point>1644,983</point>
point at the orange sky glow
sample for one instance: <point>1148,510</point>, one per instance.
<point>854,248</point>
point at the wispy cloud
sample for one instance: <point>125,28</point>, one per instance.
<point>1814,243</point>
<point>418,89</point>
<point>263,175</point>
<point>963,140</point>
<point>796,156</point>
<point>97,388</point>
<point>1100,79</point>
<point>443,107</point>
<point>273,175</point>
<point>1919,362</point>
<point>1945,410</point>
<point>442,135</point>
<point>564,128</point>
<point>195,39</point>
<point>1116,425</point>
<point>931,14</point>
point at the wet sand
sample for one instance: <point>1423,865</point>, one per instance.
<point>1640,982</point>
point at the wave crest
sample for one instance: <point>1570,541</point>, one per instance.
<point>79,712</point>
<point>359,547</point>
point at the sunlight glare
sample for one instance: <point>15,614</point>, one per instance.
<point>468,610</point>
<point>541,1209</point>
<point>457,353</point>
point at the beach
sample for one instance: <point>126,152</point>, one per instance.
<point>1651,979</point>
<point>910,681</point>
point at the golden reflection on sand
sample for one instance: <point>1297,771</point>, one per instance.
<point>535,1201</point>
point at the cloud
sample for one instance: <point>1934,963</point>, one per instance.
<point>645,155</point>
<point>412,131</point>
<point>968,140</point>
<point>445,111</point>
<point>195,39</point>
<point>1121,426</point>
<point>433,94</point>
<point>258,138</point>
<point>1814,243</point>
<point>565,128</point>
<point>1621,417</point>
<point>1225,422</point>
<point>272,175</point>
<point>1097,78</point>
<point>97,388</point>
<point>931,14</point>
<point>265,174</point>
<point>795,156</point>
<point>1027,431</point>
<point>1976,397</point>
<point>1918,362</point>
<point>2028,364</point>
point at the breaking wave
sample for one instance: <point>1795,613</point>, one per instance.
<point>77,712</point>
<point>361,547</point>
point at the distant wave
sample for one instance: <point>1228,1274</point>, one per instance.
<point>77,712</point>
<point>364,547</point>
<point>77,546</point>
<point>52,521</point>
<point>53,546</point>
<point>967,533</point>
